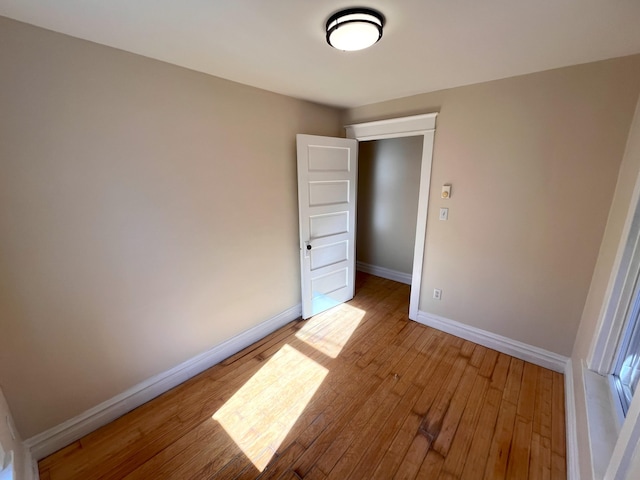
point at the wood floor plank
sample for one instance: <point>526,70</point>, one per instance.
<point>450,366</point>
<point>356,392</point>
<point>514,377</point>
<point>488,363</point>
<point>518,466</point>
<point>528,387</point>
<point>455,459</point>
<point>178,455</point>
<point>499,376</point>
<point>558,467</point>
<point>478,356</point>
<point>442,420</point>
<point>476,460</point>
<point>314,474</point>
<point>263,344</point>
<point>281,462</point>
<point>501,442</point>
<point>378,344</point>
<point>467,349</point>
<point>540,461</point>
<point>395,352</point>
<point>431,466</point>
<point>235,468</point>
<point>392,458</point>
<point>435,354</point>
<point>334,422</point>
<point>415,359</point>
<point>381,441</point>
<point>413,459</point>
<point>216,463</point>
<point>289,475</point>
<point>543,411</point>
<point>377,406</point>
<point>357,446</point>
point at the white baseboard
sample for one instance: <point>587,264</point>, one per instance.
<point>75,428</point>
<point>573,467</point>
<point>529,353</point>
<point>384,272</point>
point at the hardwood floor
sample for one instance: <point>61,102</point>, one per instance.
<point>359,392</point>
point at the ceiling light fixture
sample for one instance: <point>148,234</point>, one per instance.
<point>354,29</point>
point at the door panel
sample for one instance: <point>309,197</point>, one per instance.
<point>329,158</point>
<point>328,193</point>
<point>328,224</point>
<point>329,255</point>
<point>327,169</point>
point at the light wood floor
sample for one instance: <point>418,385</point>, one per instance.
<point>359,392</point>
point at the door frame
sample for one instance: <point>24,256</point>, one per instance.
<point>413,126</point>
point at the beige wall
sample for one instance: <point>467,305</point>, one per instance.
<point>147,213</point>
<point>388,185</point>
<point>533,161</point>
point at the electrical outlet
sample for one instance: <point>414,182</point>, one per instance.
<point>437,293</point>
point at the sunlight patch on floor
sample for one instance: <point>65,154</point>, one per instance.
<point>260,415</point>
<point>330,331</point>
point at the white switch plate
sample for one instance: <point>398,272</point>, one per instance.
<point>437,293</point>
<point>444,214</point>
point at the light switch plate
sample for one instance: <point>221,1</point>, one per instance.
<point>444,214</point>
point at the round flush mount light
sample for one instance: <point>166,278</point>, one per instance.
<point>354,29</point>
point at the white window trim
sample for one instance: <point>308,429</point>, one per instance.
<point>603,351</point>
<point>619,292</point>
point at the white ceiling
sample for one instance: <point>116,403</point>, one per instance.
<point>279,45</point>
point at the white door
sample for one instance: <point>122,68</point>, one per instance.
<point>327,169</point>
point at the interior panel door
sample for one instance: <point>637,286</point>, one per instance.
<point>327,169</point>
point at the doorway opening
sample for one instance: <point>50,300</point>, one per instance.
<point>387,206</point>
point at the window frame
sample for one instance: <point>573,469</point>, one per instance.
<point>603,353</point>
<point>619,295</point>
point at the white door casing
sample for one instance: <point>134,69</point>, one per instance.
<point>327,178</point>
<point>416,125</point>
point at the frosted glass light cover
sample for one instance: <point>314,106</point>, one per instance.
<point>354,31</point>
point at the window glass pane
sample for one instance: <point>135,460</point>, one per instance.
<point>627,368</point>
<point>6,465</point>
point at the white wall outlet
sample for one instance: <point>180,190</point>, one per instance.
<point>444,214</point>
<point>437,293</point>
